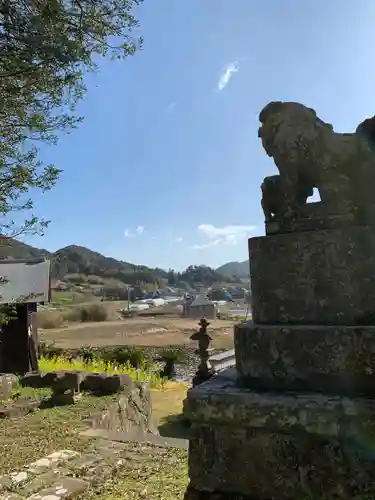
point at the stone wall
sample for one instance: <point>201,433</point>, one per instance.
<point>129,411</point>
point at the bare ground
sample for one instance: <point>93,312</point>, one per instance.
<point>146,331</point>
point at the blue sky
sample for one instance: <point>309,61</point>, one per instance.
<point>166,168</point>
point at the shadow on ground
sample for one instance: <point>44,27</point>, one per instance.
<point>174,426</point>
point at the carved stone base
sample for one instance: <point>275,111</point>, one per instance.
<point>281,447</point>
<point>315,277</point>
<point>312,217</point>
<point>328,359</point>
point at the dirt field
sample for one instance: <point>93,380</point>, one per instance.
<point>146,331</point>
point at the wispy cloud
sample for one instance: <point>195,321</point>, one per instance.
<point>227,74</point>
<point>178,240</point>
<point>226,235</point>
<point>171,106</point>
<point>129,233</point>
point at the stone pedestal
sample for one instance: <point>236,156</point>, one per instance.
<point>296,419</point>
<point>317,277</point>
<point>260,446</point>
<point>330,359</point>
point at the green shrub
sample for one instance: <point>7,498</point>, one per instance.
<point>138,358</point>
<point>93,312</point>
<point>172,355</point>
<point>87,354</point>
<point>121,356</point>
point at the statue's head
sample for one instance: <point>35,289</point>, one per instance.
<point>366,130</point>
<point>288,125</point>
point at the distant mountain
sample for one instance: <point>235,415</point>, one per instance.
<point>75,260</point>
<point>72,262</point>
<point>240,269</point>
<point>13,249</point>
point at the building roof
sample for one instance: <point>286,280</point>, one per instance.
<point>200,300</point>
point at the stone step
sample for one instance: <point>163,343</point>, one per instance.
<point>278,445</point>
<point>65,474</point>
<point>126,437</point>
<point>306,358</point>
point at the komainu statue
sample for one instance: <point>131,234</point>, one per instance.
<point>309,154</point>
<point>273,196</point>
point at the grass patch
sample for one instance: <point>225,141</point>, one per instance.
<point>149,375</point>
<point>162,476</point>
<point>114,357</point>
<point>67,298</point>
<point>167,407</point>
<point>26,439</point>
<point>26,393</point>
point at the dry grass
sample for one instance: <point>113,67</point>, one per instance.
<point>49,319</point>
<point>95,312</point>
<point>92,312</point>
<point>163,477</point>
<point>156,331</point>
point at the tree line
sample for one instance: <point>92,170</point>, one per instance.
<point>46,49</point>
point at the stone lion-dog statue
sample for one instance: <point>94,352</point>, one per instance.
<point>309,154</point>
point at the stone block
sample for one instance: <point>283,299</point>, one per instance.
<point>36,483</point>
<point>94,382</point>
<point>33,379</point>
<point>18,408</point>
<point>68,397</point>
<point>131,411</point>
<point>144,395</point>
<point>64,488</point>
<point>61,381</point>
<point>106,384</point>
<point>311,217</point>
<point>7,381</point>
<point>51,461</point>
<point>316,277</point>
<point>329,359</point>
<point>275,446</point>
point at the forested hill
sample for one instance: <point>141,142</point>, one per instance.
<point>78,260</point>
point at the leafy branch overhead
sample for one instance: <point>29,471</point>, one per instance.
<point>46,47</point>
